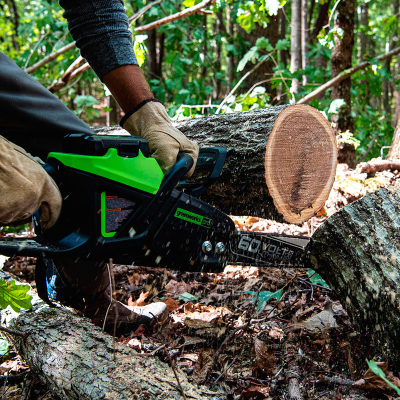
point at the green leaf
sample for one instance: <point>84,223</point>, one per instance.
<point>187,297</point>
<point>377,371</point>
<point>315,278</point>
<point>189,3</point>
<point>336,105</point>
<point>14,295</point>
<point>85,101</point>
<point>283,44</point>
<point>263,43</point>
<point>247,57</point>
<point>3,347</point>
<point>265,297</point>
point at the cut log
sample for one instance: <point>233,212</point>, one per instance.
<point>281,161</point>
<point>357,251</point>
<point>75,359</point>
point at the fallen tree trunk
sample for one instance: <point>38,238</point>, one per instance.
<point>75,359</point>
<point>357,251</point>
<point>281,161</point>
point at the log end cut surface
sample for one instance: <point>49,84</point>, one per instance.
<point>300,162</point>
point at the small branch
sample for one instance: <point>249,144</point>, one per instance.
<point>50,57</point>
<point>378,166</point>
<point>146,8</point>
<point>241,80</point>
<point>13,379</point>
<point>176,375</point>
<point>369,149</point>
<point>344,75</point>
<point>11,331</point>
<point>174,17</point>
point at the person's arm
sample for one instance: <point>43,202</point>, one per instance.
<point>101,31</point>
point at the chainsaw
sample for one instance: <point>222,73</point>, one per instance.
<point>118,204</point>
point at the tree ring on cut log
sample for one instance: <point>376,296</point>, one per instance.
<point>300,162</point>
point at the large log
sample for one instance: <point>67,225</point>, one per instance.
<point>357,251</point>
<point>76,360</point>
<point>281,161</point>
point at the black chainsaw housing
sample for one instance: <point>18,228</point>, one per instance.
<point>167,229</point>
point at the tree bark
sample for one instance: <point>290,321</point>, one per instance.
<point>364,20</point>
<point>304,38</point>
<point>295,55</point>
<point>341,60</point>
<point>394,151</point>
<point>281,161</point>
<point>357,252</point>
<point>76,360</point>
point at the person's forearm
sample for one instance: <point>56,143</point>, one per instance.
<point>101,31</point>
<point>128,86</point>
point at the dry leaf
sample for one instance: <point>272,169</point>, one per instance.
<point>261,392</point>
<point>135,344</point>
<point>373,383</point>
<point>140,301</point>
<point>171,304</point>
<point>201,316</point>
<point>203,366</point>
<point>176,287</point>
<point>265,355</point>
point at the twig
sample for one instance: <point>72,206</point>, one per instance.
<point>11,331</point>
<point>174,17</point>
<point>344,75</point>
<point>176,375</point>
<point>369,149</point>
<point>146,8</point>
<point>226,369</point>
<point>13,379</point>
<point>50,57</point>
<point>228,338</point>
<point>241,80</point>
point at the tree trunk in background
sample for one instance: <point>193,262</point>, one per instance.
<point>155,55</point>
<point>205,48</point>
<point>14,17</point>
<point>386,87</point>
<point>394,151</point>
<point>218,50</point>
<point>364,20</point>
<point>321,22</point>
<point>284,54</point>
<point>265,71</point>
<point>231,60</point>
<point>304,37</point>
<point>357,251</point>
<point>280,160</point>
<point>396,69</point>
<point>115,113</point>
<point>341,60</point>
<point>295,51</point>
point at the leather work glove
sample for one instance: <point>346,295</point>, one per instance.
<point>24,187</point>
<point>151,122</point>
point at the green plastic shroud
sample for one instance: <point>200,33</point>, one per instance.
<point>138,172</point>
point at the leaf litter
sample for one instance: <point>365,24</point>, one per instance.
<point>245,332</point>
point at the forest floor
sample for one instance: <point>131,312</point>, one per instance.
<point>248,333</point>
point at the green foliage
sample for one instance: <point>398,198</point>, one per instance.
<point>377,371</point>
<point>264,297</point>
<point>316,279</point>
<point>14,295</point>
<point>3,347</point>
<point>85,105</point>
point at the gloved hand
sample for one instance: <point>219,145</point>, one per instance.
<point>151,122</point>
<point>24,187</point>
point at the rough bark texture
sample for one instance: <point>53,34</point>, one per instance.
<point>341,60</point>
<point>357,251</point>
<point>75,360</point>
<point>303,158</point>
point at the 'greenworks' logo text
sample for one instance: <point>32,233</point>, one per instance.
<point>194,218</point>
